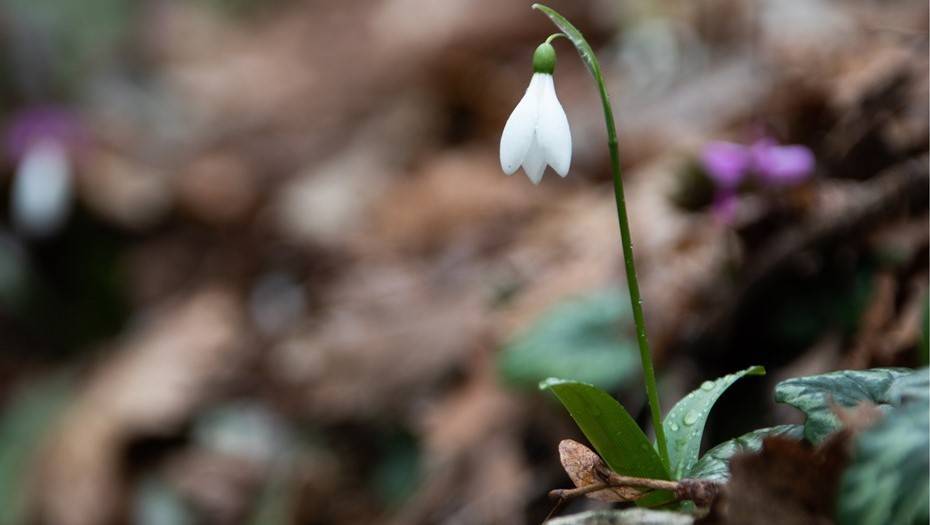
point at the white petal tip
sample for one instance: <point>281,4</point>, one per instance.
<point>535,177</point>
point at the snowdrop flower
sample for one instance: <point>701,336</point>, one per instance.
<point>42,190</point>
<point>537,134</point>
<point>42,141</point>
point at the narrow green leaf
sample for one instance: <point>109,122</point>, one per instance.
<point>889,478</point>
<point>715,463</point>
<point>582,339</point>
<point>609,428</point>
<point>817,395</point>
<point>684,424</point>
<point>573,35</point>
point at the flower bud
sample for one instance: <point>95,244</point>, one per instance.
<point>544,59</point>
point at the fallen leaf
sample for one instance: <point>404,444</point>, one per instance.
<point>586,468</point>
<point>794,482</point>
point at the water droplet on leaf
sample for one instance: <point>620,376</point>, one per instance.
<point>707,385</point>
<point>691,417</point>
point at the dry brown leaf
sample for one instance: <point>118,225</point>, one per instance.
<point>390,335</point>
<point>148,388</point>
<point>474,466</point>
<point>793,481</point>
<point>221,486</point>
<point>218,188</point>
<point>586,468</point>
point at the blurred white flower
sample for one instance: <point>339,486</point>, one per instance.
<point>537,134</point>
<point>42,189</point>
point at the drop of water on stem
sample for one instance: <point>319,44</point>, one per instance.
<point>707,385</point>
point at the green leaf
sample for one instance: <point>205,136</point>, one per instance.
<point>574,35</point>
<point>397,473</point>
<point>157,502</point>
<point>609,428</point>
<point>582,339</point>
<point>909,388</point>
<point>23,423</point>
<point>816,395</point>
<point>684,424</point>
<point>888,480</point>
<point>715,463</point>
<point>77,37</point>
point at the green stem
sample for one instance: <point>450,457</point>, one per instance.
<point>626,242</point>
<point>636,301</point>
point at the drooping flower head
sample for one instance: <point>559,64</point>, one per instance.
<point>537,134</point>
<point>42,141</point>
<point>29,127</point>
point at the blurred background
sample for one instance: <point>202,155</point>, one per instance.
<point>259,264</point>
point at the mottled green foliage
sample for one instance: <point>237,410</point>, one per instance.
<point>817,396</point>
<point>715,463</point>
<point>888,480</point>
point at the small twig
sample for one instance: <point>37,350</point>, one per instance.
<point>576,492</point>
<point>616,480</point>
<point>701,491</point>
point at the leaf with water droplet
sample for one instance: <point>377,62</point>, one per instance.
<point>684,442</point>
<point>691,417</point>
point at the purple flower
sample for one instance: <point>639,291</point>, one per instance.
<point>724,206</point>
<point>781,165</point>
<point>41,141</point>
<point>726,163</point>
<point>40,124</point>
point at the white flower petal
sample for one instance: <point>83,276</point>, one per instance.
<point>520,129</point>
<point>552,131</point>
<point>535,162</point>
<point>41,192</point>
